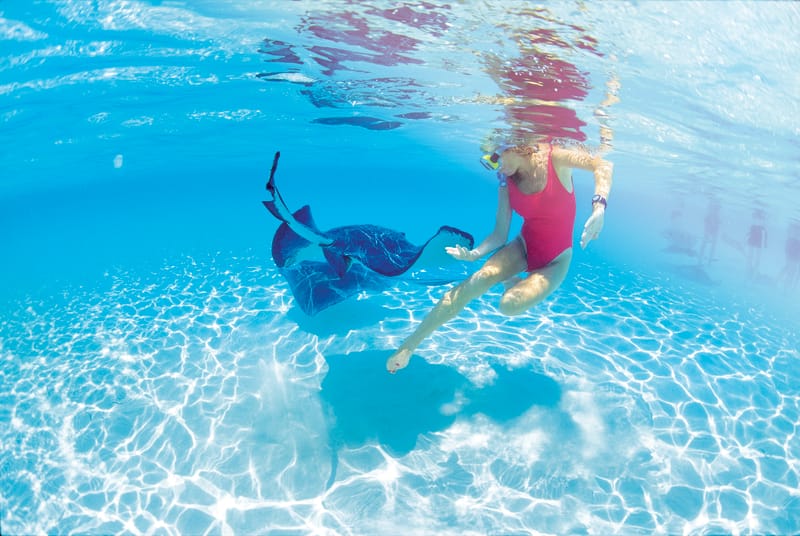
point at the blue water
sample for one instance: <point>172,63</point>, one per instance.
<point>157,378</point>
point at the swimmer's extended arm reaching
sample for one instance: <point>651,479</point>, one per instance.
<point>495,240</point>
<point>602,169</point>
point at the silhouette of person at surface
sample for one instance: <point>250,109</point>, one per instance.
<point>711,233</point>
<point>790,274</point>
<point>756,242</point>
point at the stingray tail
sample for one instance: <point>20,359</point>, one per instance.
<point>272,205</point>
<point>302,225</point>
<point>271,181</point>
<point>277,207</point>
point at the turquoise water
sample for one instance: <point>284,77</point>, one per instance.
<point>157,377</point>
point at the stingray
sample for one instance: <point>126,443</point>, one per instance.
<point>324,268</point>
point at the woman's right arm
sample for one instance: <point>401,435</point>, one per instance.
<point>499,236</point>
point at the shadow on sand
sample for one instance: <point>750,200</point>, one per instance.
<point>369,404</point>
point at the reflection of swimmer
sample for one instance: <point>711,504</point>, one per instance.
<point>537,83</point>
<point>606,133</point>
<point>790,275</point>
<point>711,233</point>
<point>756,241</point>
<point>535,182</point>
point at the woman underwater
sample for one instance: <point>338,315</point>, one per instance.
<point>535,181</point>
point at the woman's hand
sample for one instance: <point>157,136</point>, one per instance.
<point>463,254</point>
<point>593,226</point>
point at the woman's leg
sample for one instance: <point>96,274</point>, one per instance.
<point>507,262</point>
<point>537,286</point>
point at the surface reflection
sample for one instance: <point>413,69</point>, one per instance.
<point>536,85</point>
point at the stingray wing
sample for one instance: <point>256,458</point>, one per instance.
<point>432,265</point>
<point>381,250</point>
<point>389,253</point>
<point>316,285</point>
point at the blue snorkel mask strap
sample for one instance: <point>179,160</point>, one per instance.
<point>502,179</point>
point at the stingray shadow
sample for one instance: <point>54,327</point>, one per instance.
<point>368,404</point>
<point>695,273</point>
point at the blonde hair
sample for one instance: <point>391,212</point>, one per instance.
<point>524,150</point>
<point>528,148</point>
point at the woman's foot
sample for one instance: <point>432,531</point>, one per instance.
<point>398,360</point>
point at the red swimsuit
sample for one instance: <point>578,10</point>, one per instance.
<point>549,218</point>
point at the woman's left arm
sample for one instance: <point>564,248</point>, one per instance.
<point>581,159</point>
<point>602,170</point>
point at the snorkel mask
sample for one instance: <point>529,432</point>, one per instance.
<point>492,161</point>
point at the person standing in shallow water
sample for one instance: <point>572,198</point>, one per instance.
<point>712,222</point>
<point>790,275</point>
<point>536,182</point>
<point>756,241</point>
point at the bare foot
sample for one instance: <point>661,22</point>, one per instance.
<point>398,360</point>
